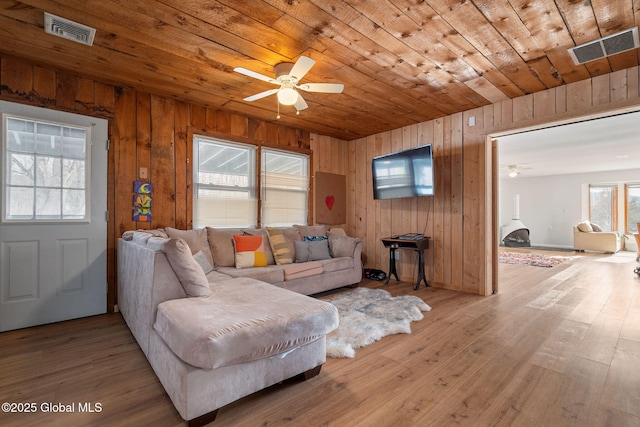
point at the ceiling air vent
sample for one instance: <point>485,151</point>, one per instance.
<point>70,30</point>
<point>606,46</point>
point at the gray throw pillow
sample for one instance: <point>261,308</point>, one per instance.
<point>312,250</point>
<point>203,262</point>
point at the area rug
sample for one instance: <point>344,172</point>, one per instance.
<point>536,260</point>
<point>366,315</point>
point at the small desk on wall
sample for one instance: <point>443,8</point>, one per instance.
<point>413,241</point>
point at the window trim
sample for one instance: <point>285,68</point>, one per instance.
<point>626,206</point>
<point>4,158</point>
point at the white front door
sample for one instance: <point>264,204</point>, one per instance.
<point>53,229</point>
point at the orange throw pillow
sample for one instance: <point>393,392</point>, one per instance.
<point>249,251</point>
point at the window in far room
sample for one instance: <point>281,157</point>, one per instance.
<point>603,206</point>
<point>632,207</point>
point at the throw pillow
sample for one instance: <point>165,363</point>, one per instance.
<point>249,251</point>
<point>312,250</point>
<point>342,246</point>
<point>585,226</point>
<point>279,247</point>
<point>318,239</point>
<point>203,262</point>
<point>265,237</point>
<point>596,227</point>
<point>314,238</point>
<point>196,239</point>
<point>192,278</point>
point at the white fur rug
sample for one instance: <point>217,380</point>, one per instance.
<point>366,315</point>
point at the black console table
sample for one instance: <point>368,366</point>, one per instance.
<point>415,242</point>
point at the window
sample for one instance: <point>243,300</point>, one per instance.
<point>225,185</point>
<point>632,207</point>
<point>46,170</point>
<point>285,182</point>
<point>603,206</point>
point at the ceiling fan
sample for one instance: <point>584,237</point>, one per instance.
<point>288,76</point>
<point>514,170</point>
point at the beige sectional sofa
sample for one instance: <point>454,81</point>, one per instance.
<point>214,333</point>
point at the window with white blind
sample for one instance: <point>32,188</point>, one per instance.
<point>285,188</point>
<point>225,185</point>
<point>46,170</point>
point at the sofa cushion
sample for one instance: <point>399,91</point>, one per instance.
<point>249,251</point>
<point>281,251</point>
<point>596,227</point>
<point>242,320</point>
<point>190,274</point>
<point>216,276</point>
<point>311,230</point>
<point>196,239</point>
<point>337,264</point>
<point>312,250</point>
<point>271,274</point>
<point>305,269</point>
<point>221,244</point>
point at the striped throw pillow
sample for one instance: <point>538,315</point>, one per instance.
<point>279,247</point>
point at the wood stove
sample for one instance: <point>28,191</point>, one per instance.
<point>516,234</point>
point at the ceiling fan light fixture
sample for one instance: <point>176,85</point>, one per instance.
<point>513,173</point>
<point>287,96</point>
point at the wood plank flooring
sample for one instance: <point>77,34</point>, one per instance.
<point>555,347</point>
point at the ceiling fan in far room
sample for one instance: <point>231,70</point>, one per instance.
<point>514,170</point>
<point>288,76</point>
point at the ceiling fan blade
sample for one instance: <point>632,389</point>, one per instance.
<point>300,103</point>
<point>261,95</point>
<point>301,67</point>
<point>255,75</point>
<point>322,87</point>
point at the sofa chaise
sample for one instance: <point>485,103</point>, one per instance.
<point>214,335</point>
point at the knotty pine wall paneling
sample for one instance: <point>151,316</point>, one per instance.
<point>146,131</point>
<point>460,218</point>
<point>154,132</point>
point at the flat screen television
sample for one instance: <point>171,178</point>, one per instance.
<point>407,173</point>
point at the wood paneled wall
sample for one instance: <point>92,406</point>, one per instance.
<point>146,131</point>
<point>153,132</point>
<point>459,218</point>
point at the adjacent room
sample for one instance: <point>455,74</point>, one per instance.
<point>319,213</point>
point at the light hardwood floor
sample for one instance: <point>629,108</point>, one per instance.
<point>555,347</point>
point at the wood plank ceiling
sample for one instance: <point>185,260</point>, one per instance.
<point>401,61</point>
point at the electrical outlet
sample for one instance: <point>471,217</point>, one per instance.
<point>397,254</point>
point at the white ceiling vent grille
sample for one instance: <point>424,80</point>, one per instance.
<point>606,46</point>
<point>70,30</point>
